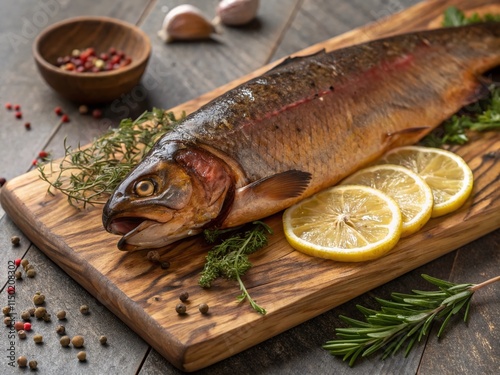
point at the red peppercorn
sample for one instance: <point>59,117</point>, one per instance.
<point>8,106</point>
<point>43,154</point>
<point>27,125</point>
<point>58,111</point>
<point>65,118</point>
<point>112,51</point>
<point>27,326</point>
<point>17,262</point>
<point>19,114</point>
<point>17,107</point>
<point>11,290</point>
<point>34,162</point>
<point>96,113</point>
<point>18,326</point>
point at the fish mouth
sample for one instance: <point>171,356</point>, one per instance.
<point>129,227</point>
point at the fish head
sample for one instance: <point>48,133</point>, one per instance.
<point>173,193</point>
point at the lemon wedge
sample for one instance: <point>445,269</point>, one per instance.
<point>410,192</point>
<point>446,173</point>
<point>348,223</point>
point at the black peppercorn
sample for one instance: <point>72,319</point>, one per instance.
<point>64,341</point>
<point>84,309</point>
<point>82,356</point>
<point>103,340</point>
<point>184,296</point>
<point>203,308</point>
<point>15,240</point>
<point>61,330</point>
<point>180,308</point>
<point>22,361</point>
<point>61,315</point>
<point>33,364</point>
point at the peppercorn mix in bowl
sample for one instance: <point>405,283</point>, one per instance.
<point>92,59</point>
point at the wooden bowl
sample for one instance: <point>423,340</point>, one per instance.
<point>101,33</point>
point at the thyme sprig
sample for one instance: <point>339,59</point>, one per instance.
<point>86,175</point>
<point>403,320</point>
<point>455,17</point>
<point>229,259</point>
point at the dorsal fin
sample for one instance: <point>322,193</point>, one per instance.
<point>291,59</point>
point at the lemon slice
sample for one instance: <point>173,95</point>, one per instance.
<point>446,173</point>
<point>348,223</point>
<point>410,192</point>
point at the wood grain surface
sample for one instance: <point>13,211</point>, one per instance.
<point>291,286</point>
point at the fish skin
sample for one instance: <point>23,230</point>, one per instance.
<point>297,129</point>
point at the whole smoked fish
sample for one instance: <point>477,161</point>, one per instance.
<point>297,129</point>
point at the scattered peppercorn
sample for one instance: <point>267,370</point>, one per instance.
<point>17,262</point>
<point>22,361</point>
<point>203,308</point>
<point>32,310</point>
<point>38,339</point>
<point>61,315</point>
<point>6,310</point>
<point>64,341</point>
<point>83,109</point>
<point>40,312</point>
<point>27,326</point>
<point>25,315</point>
<point>58,111</point>
<point>15,241</point>
<point>7,321</point>
<point>103,340</point>
<point>11,290</point>
<point>8,106</point>
<point>153,256</point>
<point>97,113</point>
<point>29,267</point>
<point>18,326</point>
<point>27,125</point>
<point>25,262</point>
<point>65,118</point>
<point>17,107</point>
<point>18,275</point>
<point>19,115</point>
<point>77,341</point>
<point>165,265</point>
<point>61,330</point>
<point>82,356</point>
<point>21,334</point>
<point>38,299</point>
<point>87,60</point>
<point>31,273</point>
<point>33,364</point>
<point>180,308</point>
<point>2,181</point>
<point>84,309</point>
<point>184,296</point>
<point>46,317</point>
<point>43,154</point>
<point>34,162</point>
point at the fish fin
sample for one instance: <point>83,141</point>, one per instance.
<point>291,59</point>
<point>280,186</point>
<point>400,137</point>
<point>481,90</point>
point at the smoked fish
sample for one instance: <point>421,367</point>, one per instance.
<point>297,129</point>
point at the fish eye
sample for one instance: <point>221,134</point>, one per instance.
<point>144,188</point>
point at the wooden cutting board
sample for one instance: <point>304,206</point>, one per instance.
<point>291,286</point>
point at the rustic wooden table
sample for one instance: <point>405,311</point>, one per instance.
<point>177,73</point>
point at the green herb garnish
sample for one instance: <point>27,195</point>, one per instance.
<point>229,259</point>
<point>87,175</point>
<point>405,319</point>
<point>483,116</point>
<point>455,17</point>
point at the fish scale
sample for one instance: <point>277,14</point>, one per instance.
<point>297,129</point>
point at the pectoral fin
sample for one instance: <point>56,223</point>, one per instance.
<point>266,196</point>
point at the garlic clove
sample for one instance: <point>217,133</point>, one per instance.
<point>185,22</point>
<point>237,12</point>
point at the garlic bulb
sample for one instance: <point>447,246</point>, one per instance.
<point>237,12</point>
<point>185,22</point>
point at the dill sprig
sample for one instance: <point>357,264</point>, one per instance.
<point>455,17</point>
<point>87,175</point>
<point>404,319</point>
<point>229,259</point>
<point>484,116</point>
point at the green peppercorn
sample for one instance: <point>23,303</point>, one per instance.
<point>22,334</point>
<point>77,341</point>
<point>61,315</point>
<point>61,330</point>
<point>6,310</point>
<point>26,316</point>
<point>33,364</point>
<point>22,361</point>
<point>180,308</point>
<point>184,296</point>
<point>203,308</point>
<point>31,273</point>
<point>82,356</point>
<point>84,309</point>
<point>38,339</point>
<point>38,299</point>
<point>40,312</point>
<point>103,340</point>
<point>64,341</point>
<point>15,240</point>
<point>18,275</point>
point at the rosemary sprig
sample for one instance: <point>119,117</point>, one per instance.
<point>404,319</point>
<point>229,259</point>
<point>87,175</point>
